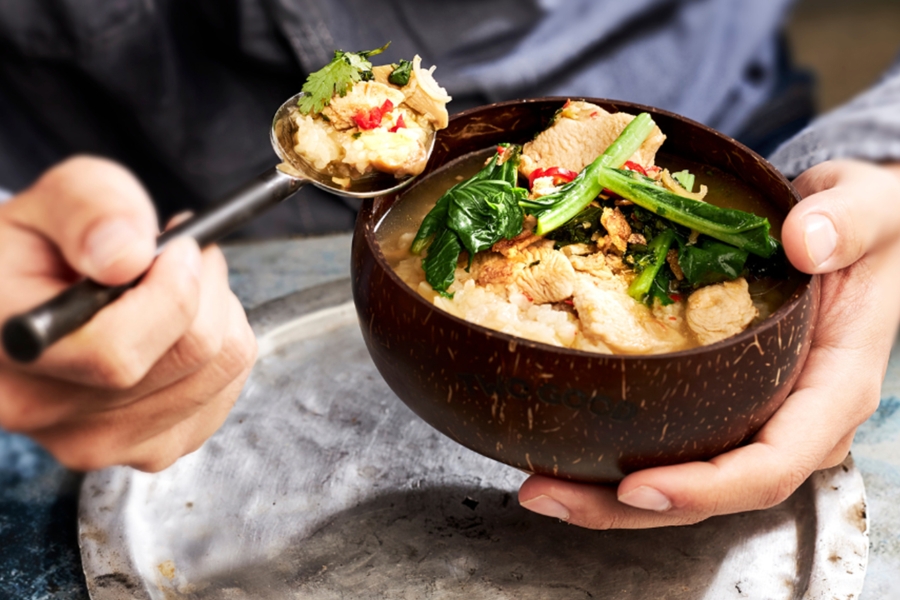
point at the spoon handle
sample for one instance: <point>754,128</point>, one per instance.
<point>27,335</point>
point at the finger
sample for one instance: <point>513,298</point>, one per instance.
<point>33,401</point>
<point>849,209</point>
<point>206,335</point>
<point>186,437</point>
<point>183,415</point>
<point>98,215</point>
<point>118,347</point>
<point>795,442</point>
<point>839,453</point>
<point>590,506</point>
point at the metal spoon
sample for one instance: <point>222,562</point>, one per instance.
<point>27,335</point>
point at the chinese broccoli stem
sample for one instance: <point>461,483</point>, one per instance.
<point>740,229</point>
<point>573,197</point>
<point>658,248</point>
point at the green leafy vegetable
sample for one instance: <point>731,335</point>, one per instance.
<point>686,179</point>
<point>553,210</point>
<point>657,250</point>
<point>736,227</point>
<point>473,215</point>
<point>336,78</point>
<point>440,263</point>
<point>580,229</point>
<point>660,291</point>
<point>401,73</point>
<point>484,212</point>
<point>711,262</point>
<point>433,223</point>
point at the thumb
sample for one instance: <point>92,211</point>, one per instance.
<point>97,214</point>
<point>849,209</point>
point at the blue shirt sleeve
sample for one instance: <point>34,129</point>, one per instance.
<point>868,128</point>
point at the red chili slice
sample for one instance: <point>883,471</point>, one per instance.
<point>633,166</point>
<point>559,175</point>
<point>370,119</point>
<point>400,125</point>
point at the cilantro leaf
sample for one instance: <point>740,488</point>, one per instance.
<point>336,78</point>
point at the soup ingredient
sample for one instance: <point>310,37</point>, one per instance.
<point>720,311</point>
<point>336,78</point>
<point>401,73</point>
<point>644,265</point>
<point>553,210</point>
<point>736,227</point>
<point>354,118</point>
<point>579,133</point>
<point>472,215</point>
<point>657,251</point>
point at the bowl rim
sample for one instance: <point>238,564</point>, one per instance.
<point>807,287</point>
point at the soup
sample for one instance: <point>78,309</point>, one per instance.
<point>595,312</point>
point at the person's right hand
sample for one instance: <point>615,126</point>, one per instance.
<point>152,375</point>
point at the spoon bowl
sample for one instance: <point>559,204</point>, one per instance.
<point>368,185</point>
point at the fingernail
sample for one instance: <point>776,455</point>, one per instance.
<point>108,242</point>
<point>547,506</point>
<point>820,237</point>
<point>646,498</point>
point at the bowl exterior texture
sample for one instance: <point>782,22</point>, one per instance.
<point>565,413</point>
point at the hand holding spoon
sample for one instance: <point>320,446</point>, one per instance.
<point>27,335</point>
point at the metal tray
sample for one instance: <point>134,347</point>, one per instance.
<point>323,485</point>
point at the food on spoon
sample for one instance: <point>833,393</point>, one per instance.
<point>355,118</point>
<point>599,250</point>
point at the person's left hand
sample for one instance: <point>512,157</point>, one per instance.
<point>848,229</point>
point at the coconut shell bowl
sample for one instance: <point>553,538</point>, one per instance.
<point>567,413</point>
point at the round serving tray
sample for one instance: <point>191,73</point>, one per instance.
<point>323,485</point>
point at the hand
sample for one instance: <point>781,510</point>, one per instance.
<point>151,376</point>
<point>848,229</point>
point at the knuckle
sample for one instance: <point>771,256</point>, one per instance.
<point>238,353</point>
<point>84,457</point>
<point>116,369</point>
<point>201,344</point>
<point>786,484</point>
<point>16,417</point>
<point>184,298</point>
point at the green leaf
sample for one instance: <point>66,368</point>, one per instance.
<point>736,227</point>
<point>433,223</point>
<point>336,78</point>
<point>440,263</point>
<point>657,249</point>
<point>484,212</point>
<point>659,290</point>
<point>401,73</point>
<point>711,262</point>
<point>580,229</point>
<point>686,179</point>
<point>473,214</point>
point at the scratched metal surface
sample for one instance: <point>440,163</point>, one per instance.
<point>323,485</point>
